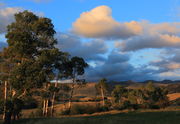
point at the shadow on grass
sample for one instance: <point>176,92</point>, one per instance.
<point>122,118</point>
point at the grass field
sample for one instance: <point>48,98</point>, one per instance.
<point>171,117</point>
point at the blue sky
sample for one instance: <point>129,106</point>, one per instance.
<point>136,39</point>
<point>64,12</point>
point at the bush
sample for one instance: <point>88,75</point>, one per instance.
<point>39,112</point>
<point>84,109</point>
<point>126,105</point>
<point>154,107</point>
<point>30,103</point>
<point>65,112</point>
<point>135,106</point>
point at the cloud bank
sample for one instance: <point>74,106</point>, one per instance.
<point>99,23</point>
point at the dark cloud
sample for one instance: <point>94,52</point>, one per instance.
<point>150,41</point>
<point>119,69</point>
<point>115,57</point>
<point>91,50</point>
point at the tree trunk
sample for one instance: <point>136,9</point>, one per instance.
<point>71,95</point>
<point>53,99</point>
<point>5,99</point>
<point>102,93</point>
<point>44,107</point>
<point>7,119</point>
<point>46,111</point>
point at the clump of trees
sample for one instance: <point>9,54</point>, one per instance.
<point>146,97</point>
<point>31,61</point>
<point>120,98</point>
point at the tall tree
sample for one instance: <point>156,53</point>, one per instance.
<point>102,87</point>
<point>75,67</point>
<point>31,53</point>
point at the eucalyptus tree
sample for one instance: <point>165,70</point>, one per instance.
<point>75,67</point>
<point>118,93</point>
<point>31,54</point>
<point>102,88</point>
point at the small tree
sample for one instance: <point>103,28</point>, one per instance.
<point>118,93</point>
<point>102,88</point>
<point>75,68</point>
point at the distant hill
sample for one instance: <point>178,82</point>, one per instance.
<point>162,82</point>
<point>174,88</point>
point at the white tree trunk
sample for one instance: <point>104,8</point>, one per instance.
<point>102,93</point>
<point>53,99</point>
<point>44,107</point>
<point>5,98</point>
<point>71,95</point>
<point>46,111</point>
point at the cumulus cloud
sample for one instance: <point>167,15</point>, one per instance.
<point>99,23</point>
<point>7,17</point>
<point>153,40</point>
<point>161,35</point>
<point>91,50</point>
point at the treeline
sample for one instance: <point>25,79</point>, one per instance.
<point>146,97</point>
<point>30,61</point>
<point>120,97</point>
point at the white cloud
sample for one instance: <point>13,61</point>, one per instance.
<point>7,17</point>
<point>90,50</point>
<point>99,23</point>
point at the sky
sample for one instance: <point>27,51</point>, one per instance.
<point>120,39</point>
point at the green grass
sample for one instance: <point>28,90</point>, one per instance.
<point>172,117</point>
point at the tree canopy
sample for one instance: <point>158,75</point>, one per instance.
<point>31,57</point>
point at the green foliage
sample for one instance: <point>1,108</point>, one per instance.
<point>84,109</point>
<point>119,92</point>
<point>148,97</point>
<point>75,67</point>
<point>150,87</point>
<point>29,102</point>
<point>102,86</point>
<point>52,89</point>
<point>31,57</point>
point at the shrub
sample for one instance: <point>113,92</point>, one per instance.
<point>65,112</point>
<point>30,103</point>
<point>84,109</point>
<point>154,107</point>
